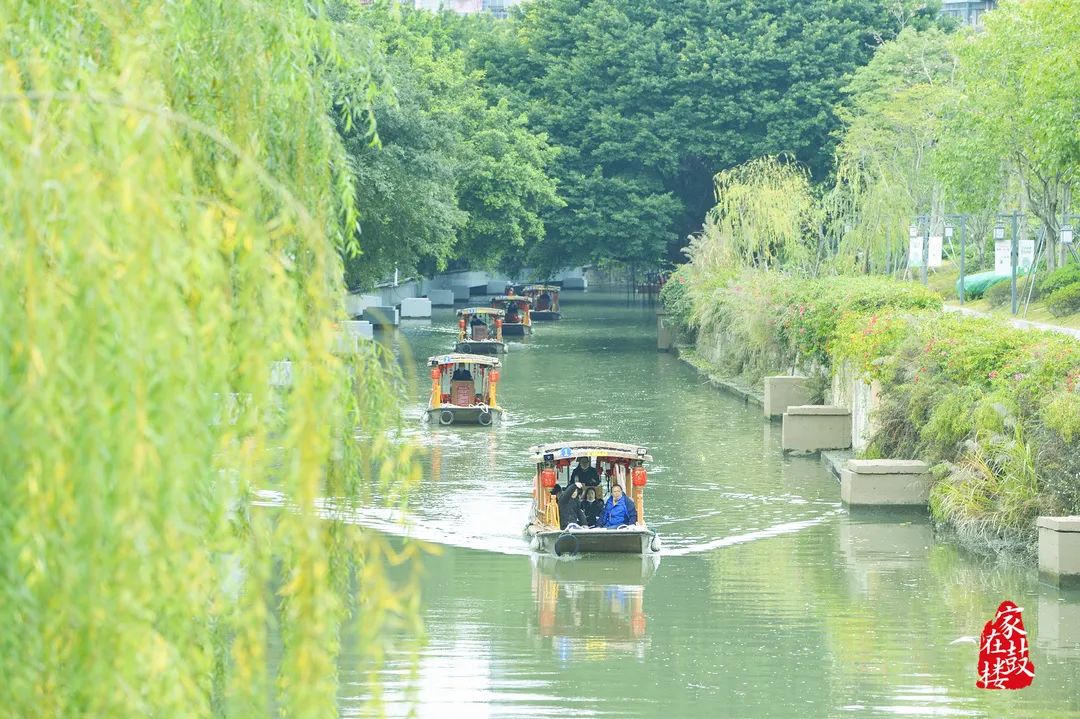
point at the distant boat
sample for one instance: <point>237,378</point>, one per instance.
<point>622,464</point>
<point>480,331</point>
<point>545,302</point>
<point>520,323</point>
<point>463,389</point>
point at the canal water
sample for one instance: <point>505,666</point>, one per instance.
<point>769,599</point>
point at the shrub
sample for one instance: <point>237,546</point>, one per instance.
<point>1064,301</point>
<point>675,297</point>
<point>1061,277</point>
<point>999,293</point>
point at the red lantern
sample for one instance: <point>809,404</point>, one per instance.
<point>498,323</point>
<point>494,376</point>
<point>639,477</point>
<point>547,478</point>
<point>436,373</point>
<point>461,323</point>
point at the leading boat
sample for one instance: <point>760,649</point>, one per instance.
<point>622,464</point>
<point>480,331</point>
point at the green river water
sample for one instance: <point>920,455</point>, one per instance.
<point>769,599</point>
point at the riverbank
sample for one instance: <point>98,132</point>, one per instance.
<point>994,409</point>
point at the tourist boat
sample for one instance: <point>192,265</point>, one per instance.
<point>463,389</point>
<point>618,463</point>
<point>480,331</point>
<point>524,309</point>
<point>545,302</point>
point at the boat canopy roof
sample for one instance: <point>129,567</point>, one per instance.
<point>541,288</point>
<point>512,298</point>
<point>591,448</point>
<point>481,311</point>
<point>462,358</point>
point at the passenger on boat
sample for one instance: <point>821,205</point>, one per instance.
<point>543,302</point>
<point>512,316</point>
<point>618,510</point>
<point>592,506</point>
<point>462,374</point>
<point>570,506</point>
<point>585,474</point>
<point>478,328</point>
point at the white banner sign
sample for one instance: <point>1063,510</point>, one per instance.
<point>1026,255</point>
<point>915,252</point>
<point>1003,258</point>
<point>933,252</point>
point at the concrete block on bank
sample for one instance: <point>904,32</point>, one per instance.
<point>441,298</point>
<point>881,482</point>
<point>382,316</point>
<point>461,293</point>
<point>575,283</point>
<point>413,307</point>
<point>358,328</point>
<point>281,374</point>
<point>665,334</point>
<point>496,287</point>
<point>356,304</point>
<point>1059,549</point>
<point>814,427</point>
<point>784,391</point>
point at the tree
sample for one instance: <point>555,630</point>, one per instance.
<point>892,121</point>
<point>647,100</point>
<point>453,176</point>
<point>1017,108</point>
<point>176,197</point>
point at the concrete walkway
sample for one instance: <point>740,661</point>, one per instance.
<point>1016,321</point>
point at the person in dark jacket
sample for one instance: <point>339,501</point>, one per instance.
<point>570,506</point>
<point>584,473</point>
<point>592,507</point>
<point>512,315</point>
<point>618,510</point>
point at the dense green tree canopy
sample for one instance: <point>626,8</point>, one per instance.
<point>453,174</point>
<point>647,100</point>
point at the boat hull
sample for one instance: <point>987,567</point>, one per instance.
<point>481,347</point>
<point>515,330</point>
<point>545,316</point>
<point>448,415</point>
<point>629,540</point>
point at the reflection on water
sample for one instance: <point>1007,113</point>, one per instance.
<point>771,599</point>
<point>591,608</point>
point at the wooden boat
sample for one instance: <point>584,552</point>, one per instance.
<point>545,302</point>
<point>463,389</point>
<point>480,331</point>
<point>622,464</point>
<point>522,307</point>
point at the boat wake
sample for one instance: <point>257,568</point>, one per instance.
<point>399,524</point>
<point>775,530</point>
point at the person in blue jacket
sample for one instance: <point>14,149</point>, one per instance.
<point>618,510</point>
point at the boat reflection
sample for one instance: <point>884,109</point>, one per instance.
<point>589,608</point>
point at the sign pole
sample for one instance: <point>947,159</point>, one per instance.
<point>925,250</point>
<point>1013,254</point>
<point>962,228</point>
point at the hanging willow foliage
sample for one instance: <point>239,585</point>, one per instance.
<point>173,195</point>
<point>762,213</point>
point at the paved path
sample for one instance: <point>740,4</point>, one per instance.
<point>1016,322</point>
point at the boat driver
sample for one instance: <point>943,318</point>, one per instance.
<point>512,315</point>
<point>585,473</point>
